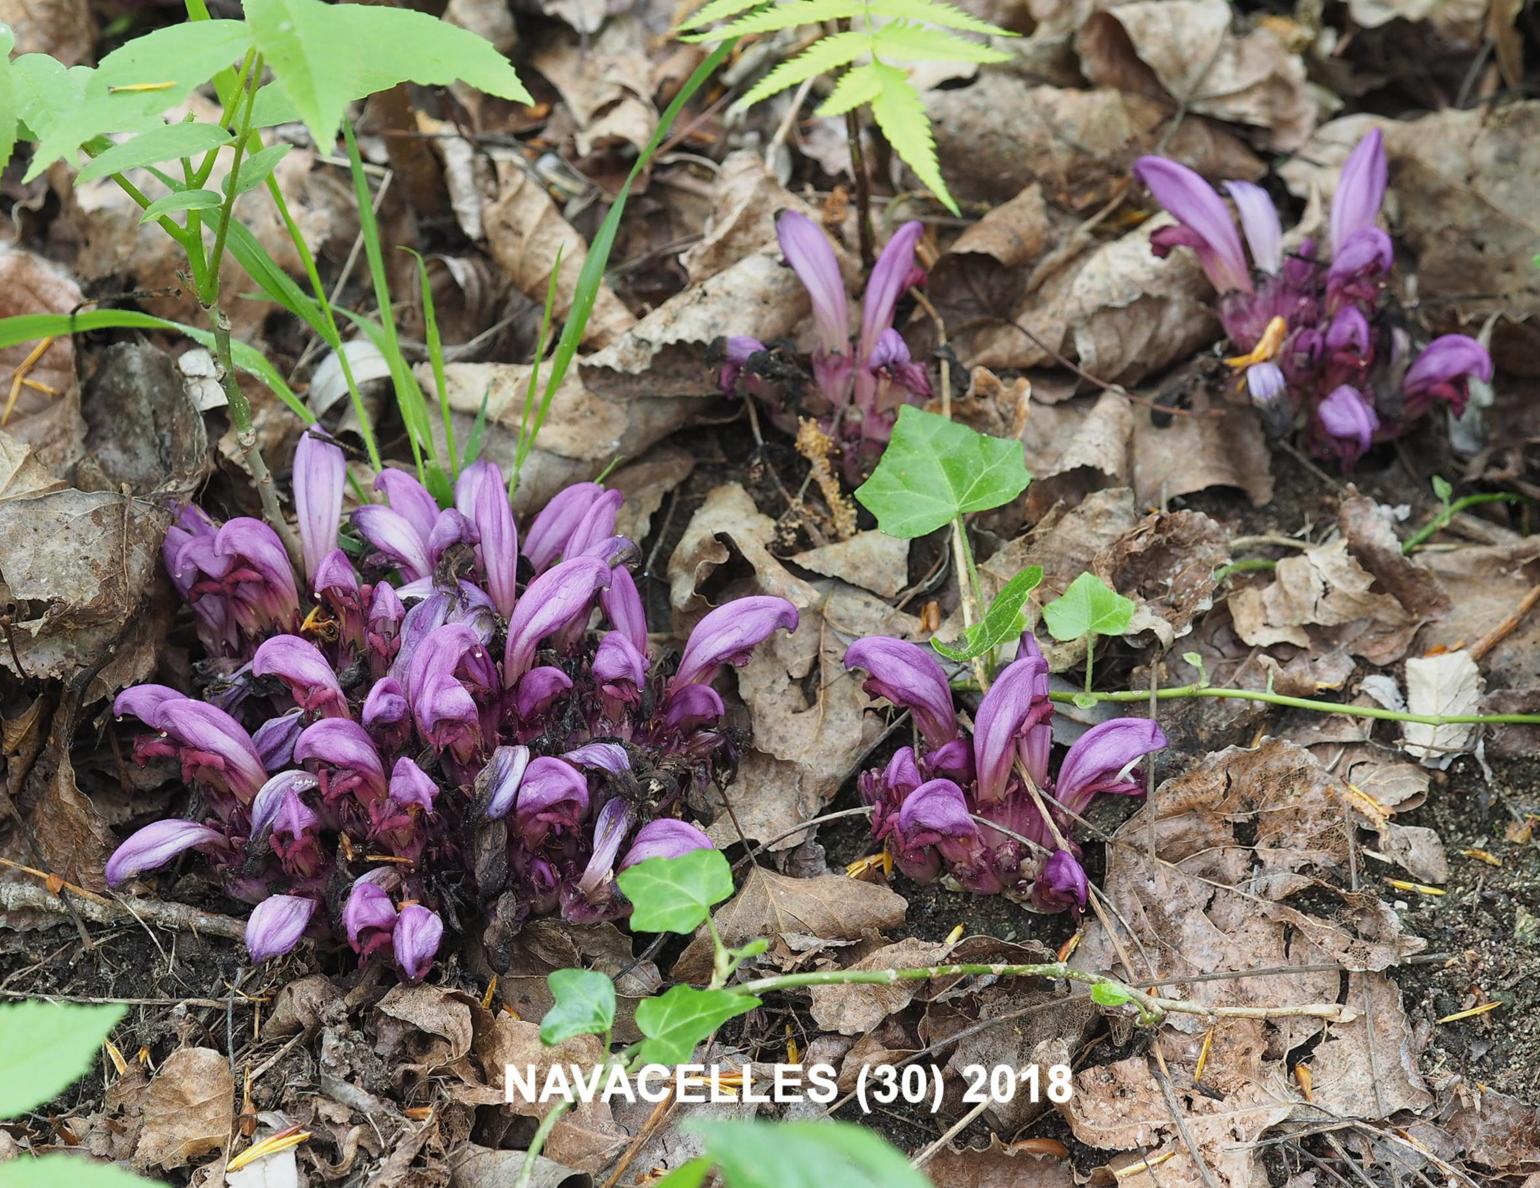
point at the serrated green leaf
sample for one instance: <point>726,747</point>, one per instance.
<point>324,56</point>
<point>915,43</point>
<point>935,470</point>
<point>1088,607</point>
<point>900,113</point>
<point>718,10</point>
<point>167,143</point>
<point>1003,620</point>
<point>584,1005</point>
<point>858,86</point>
<point>256,167</point>
<point>66,1171</point>
<point>935,12</point>
<point>819,58</point>
<point>1107,995</point>
<point>676,894</point>
<point>45,91</point>
<point>45,1047</point>
<point>180,200</point>
<point>675,1022</point>
<point>789,15</point>
<point>804,1155</point>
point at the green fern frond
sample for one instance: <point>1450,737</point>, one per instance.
<point>935,12</point>
<point>856,88</point>
<point>789,15</point>
<point>912,43</point>
<point>839,49</point>
<point>900,113</point>
<point>718,10</point>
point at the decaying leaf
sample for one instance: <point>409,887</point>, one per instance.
<point>188,1109</point>
<point>1446,684</point>
<point>143,431</point>
<point>47,411</point>
<point>873,561</point>
<point>854,1010</point>
<point>999,1166</point>
<point>1166,564</point>
<point>1198,452</point>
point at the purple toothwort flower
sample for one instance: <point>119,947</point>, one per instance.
<point>553,796</point>
<point>729,634</point>
<point>157,844</point>
<point>666,837</point>
<point>319,474</point>
<point>1062,884</point>
<point>298,663</point>
<point>481,496</point>
<point>555,599</point>
<point>1347,422</point>
<point>276,925</point>
<point>1443,372</point>
<point>1202,223</point>
<point>415,940</point>
<point>368,917</point>
<point>909,676</point>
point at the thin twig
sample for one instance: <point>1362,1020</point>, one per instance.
<point>18,896</point>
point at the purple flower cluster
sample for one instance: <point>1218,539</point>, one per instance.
<point>434,731</point>
<point>855,396</point>
<point>1316,344</point>
<point>975,806</point>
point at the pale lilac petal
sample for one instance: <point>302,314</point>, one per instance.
<point>335,575</point>
<point>415,940</point>
<point>319,474</point>
<point>622,605</point>
<point>1349,331</point>
<point>207,728</point>
<point>595,532</point>
<point>892,274</point>
<point>1015,704</point>
<point>552,795</point>
<point>692,706</point>
<point>1360,190</point>
<point>498,783</point>
<point>557,520</point>
<point>144,702</point>
<point>559,596</point>
<point>409,784</point>
<point>1194,204</point>
<point>665,838</point>
<point>618,667</point>
<point>1259,220</point>
<point>276,925</point>
<point>1265,382</point>
<point>610,829</point>
<point>807,250</point>
<point>1102,760</point>
<point>392,536</point>
<point>385,706</point>
<point>368,909</point>
<point>600,756</point>
<point>910,677</point>
<point>1444,371</point>
<point>538,688</point>
<point>270,797</point>
<point>155,845</point>
<point>298,663</point>
<point>275,739</point>
<point>342,744</point>
<point>729,634</point>
<point>482,497</point>
<point>409,499</point>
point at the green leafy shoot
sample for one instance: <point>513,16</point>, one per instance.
<point>1107,995</point>
<point>45,1047</point>
<point>676,894</point>
<point>675,1022</point>
<point>436,360</point>
<point>1088,607</point>
<point>935,470</point>
<point>880,34</point>
<point>166,143</point>
<point>585,1005</point>
<point>1004,619</point>
<point>802,1155</point>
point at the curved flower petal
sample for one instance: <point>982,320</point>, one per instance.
<point>1444,371</point>
<point>1259,220</point>
<point>622,604</point>
<point>1349,422</point>
<point>367,910</point>
<point>1265,382</point>
<point>1194,204</point>
<point>415,940</point>
<point>319,473</point>
<point>557,597</point>
<point>552,795</point>
<point>537,689</point>
<point>271,796</point>
<point>298,663</point>
<point>691,707</point>
<point>155,845</point>
<point>1061,884</point>
<point>276,925</point>
<point>618,667</point>
<point>499,780</point>
<point>275,739</point>
<point>1016,704</point>
<point>729,634</point>
<point>336,577</point>
<point>144,702</point>
<point>1102,759</point>
<point>1349,331</point>
<point>392,535</point>
<point>265,594</point>
<point>482,497</point>
<point>936,807</point>
<point>1360,190</point>
<point>610,829</point>
<point>893,273</point>
<point>596,529</point>
<point>345,745</point>
<point>807,250</point>
<point>910,677</point>
<point>600,756</point>
<point>665,838</point>
<point>550,530</point>
<point>409,784</point>
<point>385,706</point>
<point>408,498</point>
<point>208,730</point>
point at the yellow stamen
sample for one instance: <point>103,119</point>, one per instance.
<point>1267,346</point>
<point>863,866</point>
<point>1483,1009</point>
<point>486,999</point>
<point>1144,1165</point>
<point>1302,1075</point>
<point>284,1140</point>
<point>116,1057</point>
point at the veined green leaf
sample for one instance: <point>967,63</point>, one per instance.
<point>167,143</point>
<point>857,86</point>
<point>181,200</point>
<point>1088,607</point>
<point>676,894</point>
<point>675,1022</point>
<point>1002,621</point>
<point>718,10</point>
<point>790,14</point>
<point>255,168</point>
<point>324,56</point>
<point>45,1047</point>
<point>900,114</point>
<point>915,43</point>
<point>819,58</point>
<point>584,1005</point>
<point>46,90</point>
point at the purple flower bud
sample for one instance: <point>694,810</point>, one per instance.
<point>319,472</point>
<point>451,528</point>
<point>600,756</point>
<point>538,688</point>
<point>558,519</point>
<point>276,925</point>
<point>212,746</point>
<point>1348,332</point>
<point>336,579</point>
<point>665,838</point>
<point>275,739</point>
<point>392,536</point>
<point>368,916</point>
<point>500,779</point>
<point>384,624</point>
<point>1259,221</point>
<point>911,678</point>
<point>410,499</point>
<point>157,844</point>
<point>416,940</point>
<point>596,530</point>
<point>1443,372</point>
<point>892,274</point>
<point>729,634</point>
<point>933,823</point>
<point>1102,761</point>
<point>890,358</point>
<point>259,577</point>
<point>1349,423</point>
<point>272,796</point>
<point>808,252</point>
<point>482,497</point>
<point>559,596</point>
<point>622,605</point>
<point>619,668</point>
<point>447,651</point>
<point>298,663</point>
<point>1357,266</point>
<point>1016,704</point>
<point>344,746</point>
<point>553,796</point>
<point>1061,884</point>
<point>691,707</point>
<point>385,709</point>
<point>1203,223</point>
<point>1360,190</point>
<point>1265,382</point>
<point>447,716</point>
<point>740,349</point>
<point>409,784</point>
<point>610,829</point>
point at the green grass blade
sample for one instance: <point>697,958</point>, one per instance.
<point>436,358</point>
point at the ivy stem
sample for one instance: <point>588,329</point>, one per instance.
<point>968,584</point>
<point>1304,703</point>
<point>1447,513</point>
<point>537,1142</point>
<point>1152,1008</point>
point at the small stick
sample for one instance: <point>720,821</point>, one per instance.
<point>16,896</point>
<point>1507,627</point>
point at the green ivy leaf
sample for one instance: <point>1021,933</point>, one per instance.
<point>1107,995</point>
<point>675,1022</point>
<point>676,894</point>
<point>1003,620</point>
<point>804,1155</point>
<point>585,1005</point>
<point>181,200</point>
<point>255,168</point>
<point>167,143</point>
<point>935,470</point>
<point>66,1171</point>
<point>10,101</point>
<point>1088,607</point>
<point>686,1175</point>
<point>45,1047</point>
<point>324,56</point>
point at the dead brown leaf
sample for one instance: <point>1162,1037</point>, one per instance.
<point>49,421</point>
<point>143,431</point>
<point>872,560</point>
<point>1166,565</point>
<point>998,1166</point>
<point>1195,453</point>
<point>606,84</point>
<point>428,1025</point>
<point>188,1109</point>
<point>854,1010</point>
<point>1371,1061</point>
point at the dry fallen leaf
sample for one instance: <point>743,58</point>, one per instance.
<point>143,432</point>
<point>998,1166</point>
<point>854,1010</point>
<point>188,1109</point>
<point>1195,453</point>
<point>48,421</point>
<point>1446,684</point>
<point>874,561</point>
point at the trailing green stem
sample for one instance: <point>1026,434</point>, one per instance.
<point>1448,512</point>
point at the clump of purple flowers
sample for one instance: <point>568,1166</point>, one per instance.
<point>966,805</point>
<point>430,731</point>
<point>854,394</point>
<point>1316,345</point>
